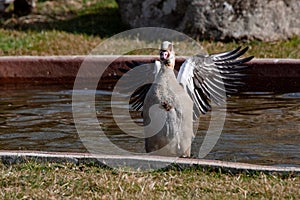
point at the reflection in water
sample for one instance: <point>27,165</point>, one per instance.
<point>260,128</point>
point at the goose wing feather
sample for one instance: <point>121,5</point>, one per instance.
<point>209,78</point>
<point>137,80</point>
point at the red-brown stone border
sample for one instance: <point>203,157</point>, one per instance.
<point>264,75</point>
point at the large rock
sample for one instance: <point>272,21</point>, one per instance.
<point>217,19</point>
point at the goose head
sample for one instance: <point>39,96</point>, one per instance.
<point>167,54</point>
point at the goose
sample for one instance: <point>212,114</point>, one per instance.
<point>170,104</point>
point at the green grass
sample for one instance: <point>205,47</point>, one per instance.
<point>69,181</point>
<point>52,42</point>
<point>278,49</point>
<point>78,26</point>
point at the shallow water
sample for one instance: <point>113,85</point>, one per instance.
<point>260,128</point>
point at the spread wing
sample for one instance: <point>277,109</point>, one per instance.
<point>137,81</point>
<point>208,78</point>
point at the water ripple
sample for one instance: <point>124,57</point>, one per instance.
<point>260,128</point>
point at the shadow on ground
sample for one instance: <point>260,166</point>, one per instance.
<point>104,23</point>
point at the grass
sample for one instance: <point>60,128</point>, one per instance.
<point>17,43</point>
<point>277,49</point>
<point>76,27</point>
<point>31,180</point>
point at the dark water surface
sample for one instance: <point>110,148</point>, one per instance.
<point>260,128</point>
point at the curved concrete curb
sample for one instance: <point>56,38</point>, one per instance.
<point>264,75</point>
<point>145,162</point>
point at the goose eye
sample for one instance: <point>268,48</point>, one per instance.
<point>164,55</point>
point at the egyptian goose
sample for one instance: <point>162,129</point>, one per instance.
<point>169,104</point>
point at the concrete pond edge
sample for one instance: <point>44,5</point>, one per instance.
<point>102,160</point>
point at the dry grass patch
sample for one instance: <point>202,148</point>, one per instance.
<point>69,181</point>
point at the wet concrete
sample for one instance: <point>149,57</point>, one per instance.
<point>142,162</point>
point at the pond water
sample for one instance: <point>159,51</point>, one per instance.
<point>260,128</point>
